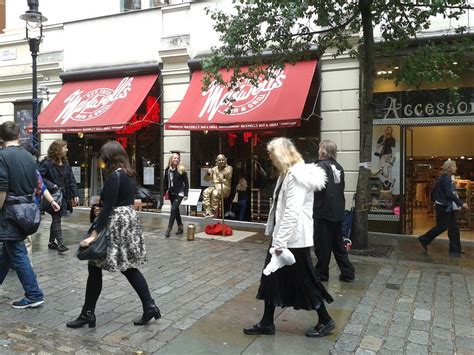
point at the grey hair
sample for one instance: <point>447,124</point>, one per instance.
<point>447,164</point>
<point>329,149</point>
<point>285,153</point>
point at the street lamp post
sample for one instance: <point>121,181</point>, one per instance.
<point>34,33</point>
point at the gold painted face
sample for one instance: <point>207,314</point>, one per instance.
<point>221,161</point>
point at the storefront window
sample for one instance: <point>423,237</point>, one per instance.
<point>385,172</point>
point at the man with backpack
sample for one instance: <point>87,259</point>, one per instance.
<point>19,215</point>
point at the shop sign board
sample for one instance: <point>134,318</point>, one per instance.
<point>424,104</point>
<point>274,102</point>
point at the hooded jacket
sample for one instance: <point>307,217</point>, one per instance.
<point>290,221</point>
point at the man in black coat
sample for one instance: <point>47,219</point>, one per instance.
<point>328,213</point>
<point>18,182</point>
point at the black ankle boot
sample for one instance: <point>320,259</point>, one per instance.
<point>180,230</point>
<point>168,233</point>
<point>87,317</point>
<point>150,310</point>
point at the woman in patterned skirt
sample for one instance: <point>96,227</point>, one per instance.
<point>126,247</point>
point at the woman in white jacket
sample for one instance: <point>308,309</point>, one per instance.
<point>290,223</point>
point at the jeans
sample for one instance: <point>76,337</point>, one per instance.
<point>241,209</point>
<point>14,255</point>
<point>175,202</point>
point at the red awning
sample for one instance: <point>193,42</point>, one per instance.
<point>95,105</point>
<point>276,103</point>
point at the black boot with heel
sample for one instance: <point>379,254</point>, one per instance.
<point>180,230</point>
<point>86,317</point>
<point>150,310</point>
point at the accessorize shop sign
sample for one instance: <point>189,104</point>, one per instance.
<point>424,104</point>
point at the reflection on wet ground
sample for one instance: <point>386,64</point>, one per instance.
<point>408,248</point>
<point>404,247</point>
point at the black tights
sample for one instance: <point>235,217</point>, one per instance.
<point>94,286</point>
<point>267,318</point>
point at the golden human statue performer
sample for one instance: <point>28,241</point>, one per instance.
<point>221,177</point>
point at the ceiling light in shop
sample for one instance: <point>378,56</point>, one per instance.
<point>463,157</point>
<point>396,68</point>
<point>470,158</point>
<point>455,63</point>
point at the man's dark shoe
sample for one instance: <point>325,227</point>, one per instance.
<point>321,330</point>
<point>180,230</point>
<point>346,279</point>
<point>62,248</point>
<point>259,329</point>
<point>168,233</point>
<point>52,246</point>
<point>456,253</point>
<point>423,245</point>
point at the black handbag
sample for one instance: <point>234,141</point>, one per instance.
<point>57,196</point>
<point>97,249</point>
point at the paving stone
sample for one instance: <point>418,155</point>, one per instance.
<point>355,329</point>
<point>347,342</point>
<point>421,325</point>
<point>417,349</point>
<point>441,345</point>
<point>442,333</point>
<point>184,323</point>
<point>418,337</point>
<point>394,343</point>
<point>422,314</point>
<point>464,343</point>
<point>361,351</point>
<point>371,343</point>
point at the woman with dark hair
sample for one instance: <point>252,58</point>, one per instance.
<point>176,185</point>
<point>57,175</point>
<point>126,245</point>
<point>286,282</point>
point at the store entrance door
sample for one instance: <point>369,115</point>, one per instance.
<point>427,148</point>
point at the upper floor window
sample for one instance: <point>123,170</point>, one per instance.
<point>130,5</point>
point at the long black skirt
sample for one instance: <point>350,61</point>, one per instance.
<point>296,285</point>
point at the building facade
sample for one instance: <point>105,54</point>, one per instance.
<point>117,39</point>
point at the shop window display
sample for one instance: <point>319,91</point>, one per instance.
<point>385,171</point>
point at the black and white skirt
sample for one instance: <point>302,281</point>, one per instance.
<point>295,285</point>
<point>126,245</point>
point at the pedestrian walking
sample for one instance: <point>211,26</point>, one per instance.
<point>57,175</point>
<point>290,224</point>
<point>17,185</point>
<point>328,214</point>
<point>176,186</point>
<point>446,201</point>
<point>40,192</point>
<point>126,245</point>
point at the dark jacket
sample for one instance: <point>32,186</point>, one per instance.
<point>180,183</point>
<point>329,203</point>
<point>17,178</point>
<point>55,178</point>
<point>443,192</point>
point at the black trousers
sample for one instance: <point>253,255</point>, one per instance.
<point>444,220</point>
<point>55,231</point>
<point>327,239</point>
<point>174,215</point>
